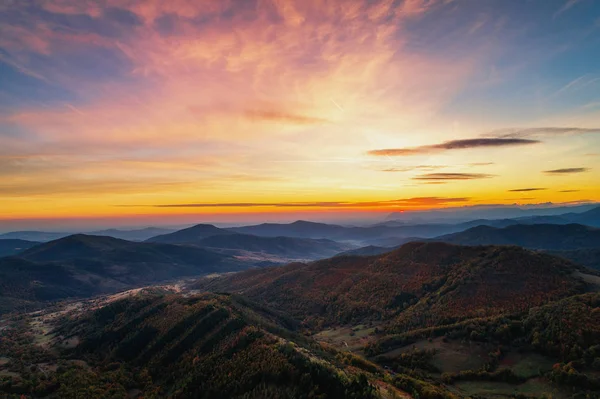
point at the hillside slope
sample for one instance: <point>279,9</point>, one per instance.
<point>418,285</point>
<point>208,346</point>
<point>9,247</point>
<point>81,265</point>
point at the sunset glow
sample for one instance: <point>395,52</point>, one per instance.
<point>223,109</point>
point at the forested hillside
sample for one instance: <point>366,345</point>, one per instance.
<point>418,285</point>
<point>207,346</point>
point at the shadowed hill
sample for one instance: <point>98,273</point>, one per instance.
<point>81,265</point>
<point>190,235</point>
<point>290,247</point>
<point>9,247</point>
<point>418,285</point>
<point>130,262</point>
<point>537,236</point>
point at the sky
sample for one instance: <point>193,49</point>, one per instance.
<point>172,111</point>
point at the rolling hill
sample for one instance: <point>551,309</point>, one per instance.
<point>285,247</point>
<point>190,235</point>
<point>379,235</point>
<point>82,265</point>
<point>415,286</point>
<point>9,247</point>
<point>274,249</point>
<point>537,236</point>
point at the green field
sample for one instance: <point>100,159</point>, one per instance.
<point>451,356</point>
<point>526,365</point>
<point>533,387</point>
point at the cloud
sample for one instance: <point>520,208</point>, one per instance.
<point>538,132</point>
<point>453,145</point>
<point>569,191</point>
<point>481,163</point>
<point>566,171</point>
<point>417,167</point>
<point>416,201</point>
<point>519,190</point>
<point>452,176</point>
<point>282,117</point>
<point>567,6</point>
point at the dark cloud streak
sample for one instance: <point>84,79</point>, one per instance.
<point>452,176</point>
<point>566,171</point>
<point>520,190</point>
<point>453,145</point>
<point>540,132</point>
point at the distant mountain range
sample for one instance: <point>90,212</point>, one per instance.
<point>536,236</point>
<point>131,235</point>
<point>287,248</point>
<point>461,214</point>
<point>578,243</point>
<point>390,233</point>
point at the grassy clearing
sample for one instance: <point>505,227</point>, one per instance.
<point>534,387</point>
<point>451,356</point>
<point>388,391</point>
<point>589,278</point>
<point>526,365</point>
<point>347,338</point>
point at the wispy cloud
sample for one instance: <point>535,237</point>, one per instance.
<point>519,190</point>
<point>578,83</point>
<point>481,163</point>
<point>569,191</point>
<point>452,176</point>
<point>417,201</point>
<point>538,132</point>
<point>282,117</point>
<point>412,168</point>
<point>566,7</point>
<point>566,171</point>
<point>453,145</point>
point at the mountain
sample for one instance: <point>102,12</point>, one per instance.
<point>130,262</point>
<point>133,235</point>
<point>466,213</point>
<point>204,346</point>
<point>190,235</point>
<point>299,228</point>
<point>277,249</point>
<point>10,247</point>
<point>537,236</point>
<point>428,320</point>
<point>379,235</point>
<point>285,247</point>
<point>417,285</point>
<point>82,265</point>
<point>590,218</point>
<point>24,285</point>
<point>39,236</point>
